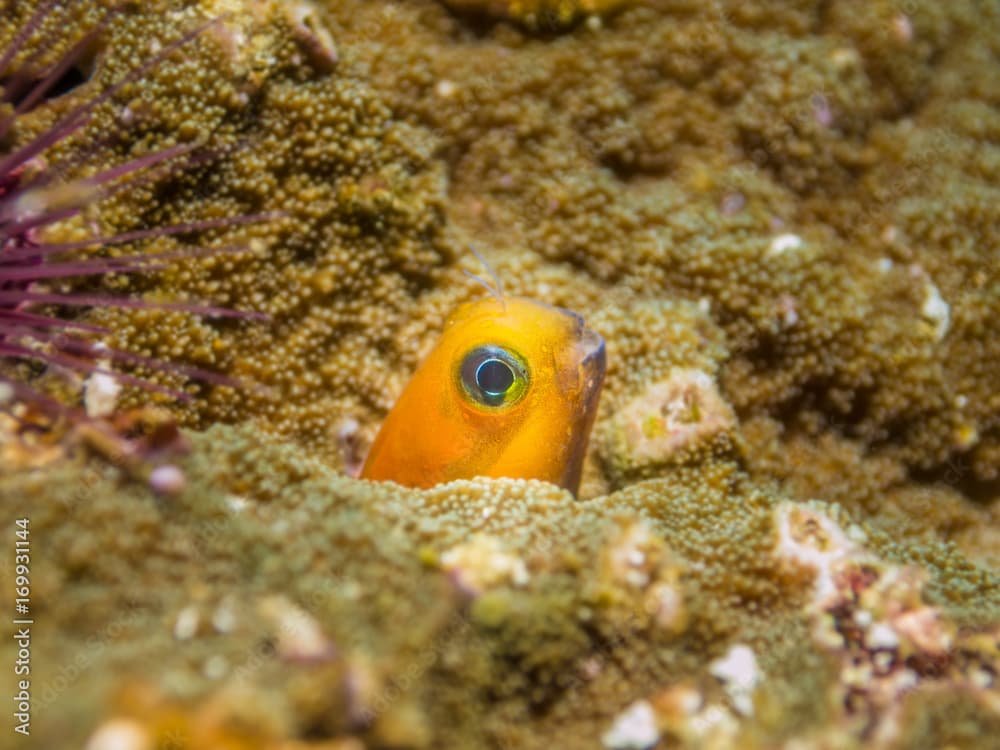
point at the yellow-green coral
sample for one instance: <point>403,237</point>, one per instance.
<point>263,596</point>
<point>788,209</point>
<point>362,216</point>
<point>728,156</point>
<point>661,404</point>
<point>535,13</point>
<point>685,171</point>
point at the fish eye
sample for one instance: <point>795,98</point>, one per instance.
<point>493,376</point>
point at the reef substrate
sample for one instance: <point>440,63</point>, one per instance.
<point>783,218</point>
<point>275,603</point>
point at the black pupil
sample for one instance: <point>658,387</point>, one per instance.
<point>494,377</point>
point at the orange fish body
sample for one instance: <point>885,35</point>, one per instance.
<point>510,390</point>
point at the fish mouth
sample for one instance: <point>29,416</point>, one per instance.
<point>593,357</point>
<point>590,344</point>
<point>593,362</point>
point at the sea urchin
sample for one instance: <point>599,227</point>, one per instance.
<point>35,195</point>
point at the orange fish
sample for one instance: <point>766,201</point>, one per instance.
<point>510,390</point>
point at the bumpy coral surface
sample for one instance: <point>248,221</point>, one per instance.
<point>539,13</point>
<point>782,217</point>
<point>819,184</point>
<point>274,600</point>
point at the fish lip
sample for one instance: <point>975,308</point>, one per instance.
<point>593,350</point>
<point>593,365</point>
<point>593,361</point>
<point>578,322</point>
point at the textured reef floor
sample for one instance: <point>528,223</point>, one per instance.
<point>784,219</point>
